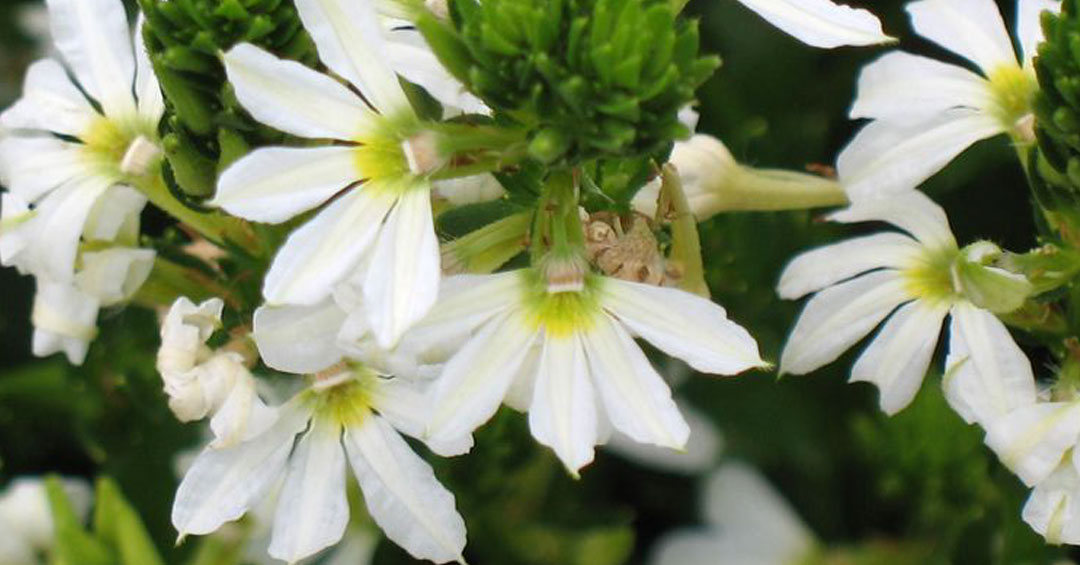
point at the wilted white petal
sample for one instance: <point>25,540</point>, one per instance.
<point>683,325</point>
<point>913,212</point>
<point>294,98</point>
<point>1028,28</point>
<point>95,39</point>
<point>350,41</point>
<point>905,87</point>
<point>33,166</point>
<point>65,319</point>
<point>635,397</point>
<point>115,215</point>
<point>327,248</point>
<point>312,510</point>
<point>475,381</point>
<point>402,494</point>
<point>821,23</point>
<point>469,190</point>
<point>897,359</point>
<point>563,411</point>
<point>1053,508</point>
<point>1032,440</point>
<point>115,274</point>
<point>970,28</point>
<point>50,102</point>
<point>889,157</point>
<point>298,339</point>
<point>402,281</point>
<point>986,373</point>
<point>838,317</point>
<point>223,484</point>
<point>274,184</point>
<point>241,414</point>
<point>823,267</point>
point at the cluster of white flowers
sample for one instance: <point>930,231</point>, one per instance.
<point>357,306</point>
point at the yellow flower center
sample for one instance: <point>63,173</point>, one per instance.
<point>560,314</point>
<point>127,149</point>
<point>931,277</point>
<point>344,393</point>
<point>381,158</point>
<point>1014,90</point>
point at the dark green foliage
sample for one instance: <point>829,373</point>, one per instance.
<point>590,78</point>
<point>205,127</point>
<point>1056,168</point>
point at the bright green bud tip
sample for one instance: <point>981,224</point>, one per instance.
<point>992,288</point>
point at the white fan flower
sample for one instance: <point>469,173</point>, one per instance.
<point>566,353</point>
<point>201,382</point>
<point>747,523</point>
<point>26,519</point>
<point>349,412</point>
<point>926,112</point>
<point>1053,509</point>
<point>821,23</point>
<point>923,276</point>
<point>375,184</point>
<point>61,155</point>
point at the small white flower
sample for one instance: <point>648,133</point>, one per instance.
<point>201,382</point>
<point>821,23</point>
<point>927,112</point>
<point>569,357</point>
<point>1035,439</point>
<point>747,522</point>
<point>1053,509</point>
<point>26,518</point>
<point>351,414</point>
<point>62,156</point>
<point>860,282</point>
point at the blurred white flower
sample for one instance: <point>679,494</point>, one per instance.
<point>522,338</point>
<point>923,276</point>
<point>821,23</point>
<point>26,518</point>
<point>201,382</point>
<point>927,112</point>
<point>1053,509</point>
<point>746,523</point>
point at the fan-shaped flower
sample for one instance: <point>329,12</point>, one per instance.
<point>923,276</point>
<point>927,112</point>
<point>567,355</point>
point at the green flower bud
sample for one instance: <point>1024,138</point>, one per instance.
<point>590,78</point>
<point>1055,166</point>
<point>976,278</point>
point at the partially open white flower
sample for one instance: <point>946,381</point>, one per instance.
<point>915,280</point>
<point>201,382</point>
<point>569,356</point>
<point>26,519</point>
<point>821,23</point>
<point>63,156</point>
<point>350,413</point>
<point>747,522</point>
<point>927,112</point>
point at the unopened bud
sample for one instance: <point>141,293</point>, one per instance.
<point>986,286</point>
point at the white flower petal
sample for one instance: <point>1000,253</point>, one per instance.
<point>61,217</point>
<point>1033,440</point>
<point>327,248</point>
<point>986,373</point>
<point>821,23</point>
<point>475,381</point>
<point>635,397</point>
<point>16,230</point>
<point>274,184</point>
<point>520,394</point>
<point>298,339</point>
<point>402,493</point>
<point>116,215</point>
<point>350,41</point>
<point>294,98</point>
<point>683,325</point>
<point>50,102</point>
<point>223,484</point>
<point>408,53</point>
<point>94,37</point>
<point>889,157</point>
<point>823,267</point>
<point>465,303</point>
<point>402,402</point>
<point>312,510</point>
<point>1028,27</point>
<point>469,190</point>
<point>897,359</point>
<point>32,166</point>
<point>838,317</point>
<point>699,455</point>
<point>147,90</point>
<point>913,212</point>
<point>563,411</point>
<point>113,275</point>
<point>402,280</point>
<point>65,319</point>
<point>242,415</point>
<point>1053,508</point>
<point>972,29</point>
<point>904,87</point>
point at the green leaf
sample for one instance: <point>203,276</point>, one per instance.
<point>118,524</point>
<point>73,545</point>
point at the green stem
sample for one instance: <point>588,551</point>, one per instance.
<point>686,243</point>
<point>169,281</point>
<point>557,229</point>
